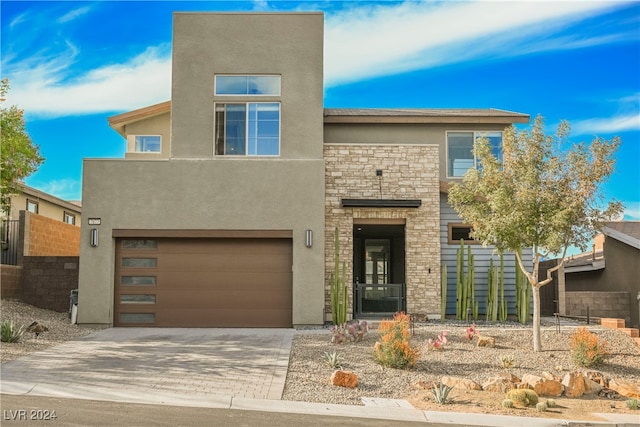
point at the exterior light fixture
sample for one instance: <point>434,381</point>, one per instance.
<point>93,237</point>
<point>308,238</point>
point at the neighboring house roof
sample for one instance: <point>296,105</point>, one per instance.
<point>41,195</point>
<point>119,121</point>
<point>361,115</point>
<point>627,232</point>
<point>624,231</point>
<point>588,261</point>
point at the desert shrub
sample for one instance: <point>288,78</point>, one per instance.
<point>506,361</point>
<point>633,404</point>
<point>332,359</point>
<point>586,349</point>
<point>507,403</point>
<point>10,332</point>
<point>551,403</point>
<point>541,407</point>
<point>395,349</point>
<point>523,396</point>
<point>441,393</point>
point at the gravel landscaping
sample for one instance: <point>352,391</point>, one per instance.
<point>309,374</point>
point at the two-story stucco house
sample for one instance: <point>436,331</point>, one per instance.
<point>223,211</point>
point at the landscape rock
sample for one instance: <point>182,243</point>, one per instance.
<point>625,388</point>
<point>597,377</point>
<point>484,341</point>
<point>344,379</point>
<point>591,387</point>
<point>543,386</point>
<point>573,383</point>
<point>498,385</point>
<point>460,383</point>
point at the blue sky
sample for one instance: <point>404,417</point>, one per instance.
<point>73,64</point>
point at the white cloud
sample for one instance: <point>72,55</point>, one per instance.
<point>362,41</point>
<point>599,126</point>
<point>632,211</point>
<point>43,90</point>
<point>380,40</point>
<point>65,189</point>
<point>73,14</point>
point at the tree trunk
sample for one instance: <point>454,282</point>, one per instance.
<point>537,346</point>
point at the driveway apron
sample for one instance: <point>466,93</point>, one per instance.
<point>188,366</point>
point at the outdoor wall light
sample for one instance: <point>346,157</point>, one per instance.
<point>93,237</point>
<point>308,238</point>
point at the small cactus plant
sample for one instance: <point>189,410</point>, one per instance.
<point>507,403</point>
<point>523,396</point>
<point>332,359</point>
<point>551,403</point>
<point>633,404</point>
<point>541,407</point>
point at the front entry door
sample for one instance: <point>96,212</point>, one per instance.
<point>379,270</point>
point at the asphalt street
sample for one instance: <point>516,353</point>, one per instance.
<point>27,411</point>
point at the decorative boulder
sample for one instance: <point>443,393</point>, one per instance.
<point>543,386</point>
<point>625,388</point>
<point>592,387</point>
<point>484,341</point>
<point>498,385</point>
<point>344,379</point>
<point>460,383</point>
<point>573,383</point>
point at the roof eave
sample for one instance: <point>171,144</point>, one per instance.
<point>118,122</point>
<point>506,120</point>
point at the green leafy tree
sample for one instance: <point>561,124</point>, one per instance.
<point>19,157</point>
<point>544,193</point>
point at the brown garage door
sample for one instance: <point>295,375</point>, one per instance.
<point>212,282</point>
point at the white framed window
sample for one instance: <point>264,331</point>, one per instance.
<point>69,218</point>
<point>247,129</point>
<point>254,85</point>
<point>147,143</point>
<point>460,157</point>
<point>32,206</point>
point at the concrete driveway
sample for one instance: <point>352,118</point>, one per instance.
<point>193,367</point>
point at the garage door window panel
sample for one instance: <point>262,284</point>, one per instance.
<point>137,317</point>
<point>139,244</point>
<point>140,262</point>
<point>138,280</point>
<point>137,299</point>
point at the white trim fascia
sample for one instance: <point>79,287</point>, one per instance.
<point>624,238</point>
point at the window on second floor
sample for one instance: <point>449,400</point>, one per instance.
<point>32,206</point>
<point>460,157</point>
<point>247,85</point>
<point>247,129</point>
<point>147,143</point>
<point>69,218</point>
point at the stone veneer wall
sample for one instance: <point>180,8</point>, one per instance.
<point>409,172</point>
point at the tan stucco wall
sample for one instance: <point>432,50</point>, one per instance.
<point>409,172</point>
<point>206,44</point>
<point>194,189</point>
<point>381,133</point>
<point>45,208</point>
<point>266,194</point>
<point>157,125</point>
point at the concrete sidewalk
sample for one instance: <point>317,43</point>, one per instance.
<point>243,369</point>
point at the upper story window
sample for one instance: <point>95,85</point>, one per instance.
<point>247,85</point>
<point>460,157</point>
<point>147,143</point>
<point>32,206</point>
<point>247,129</point>
<point>69,218</point>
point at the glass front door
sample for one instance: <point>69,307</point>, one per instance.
<point>378,270</point>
